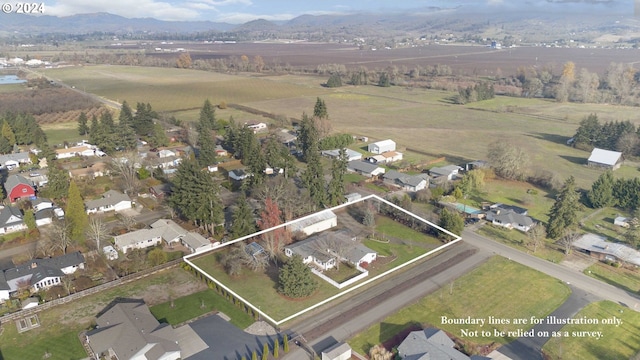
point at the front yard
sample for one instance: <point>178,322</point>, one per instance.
<point>628,280</point>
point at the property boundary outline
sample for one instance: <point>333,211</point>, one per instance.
<point>331,298</point>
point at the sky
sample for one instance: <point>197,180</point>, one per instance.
<point>241,11</point>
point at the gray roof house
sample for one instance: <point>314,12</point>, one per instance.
<point>128,330</point>
<point>449,172</point>
<point>364,168</point>
<point>11,220</point>
<point>431,344</point>
<point>405,181</point>
<point>510,219</point>
<point>605,158</point>
<point>195,242</point>
<point>13,160</point>
<point>160,230</point>
<point>111,200</point>
<point>351,155</point>
<point>317,249</point>
<point>39,273</point>
<point>597,246</point>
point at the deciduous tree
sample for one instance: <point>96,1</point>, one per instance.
<point>508,160</point>
<point>97,231</point>
<point>451,221</point>
<point>273,241</point>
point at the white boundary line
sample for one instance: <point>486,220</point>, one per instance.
<point>277,323</point>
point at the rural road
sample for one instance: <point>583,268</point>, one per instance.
<point>355,314</point>
<point>573,277</point>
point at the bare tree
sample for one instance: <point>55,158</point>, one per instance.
<point>45,246</point>
<point>567,240</point>
<point>126,168</point>
<point>129,222</point>
<point>335,245</point>
<point>97,230</point>
<point>536,236</point>
<point>508,160</point>
<point>60,235</point>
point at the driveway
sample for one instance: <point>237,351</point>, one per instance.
<point>225,341</point>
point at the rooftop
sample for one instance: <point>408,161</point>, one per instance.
<point>606,157</point>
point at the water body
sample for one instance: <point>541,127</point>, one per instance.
<point>10,79</point>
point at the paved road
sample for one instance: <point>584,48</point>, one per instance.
<point>339,323</point>
<point>573,277</point>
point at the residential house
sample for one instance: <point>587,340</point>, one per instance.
<point>39,180</point>
<point>448,172</point>
<point>41,204</point>
<point>12,161</point>
<point>80,150</point>
<point>431,343</point>
<point>360,255</point>
<point>257,127</point>
<point>321,250</point>
<point>382,146</point>
<point>391,156</point>
<point>160,191</point>
<point>164,162</point>
<point>212,168</point>
<point>195,242</point>
<point>93,171</point>
<point>128,330</point>
<point>351,155</point>
<point>510,217</point>
<point>317,222</point>
<point>18,187</point>
<point>339,351</point>
<point>161,230</point>
<point>238,174</point>
<point>46,216</point>
<point>365,168</point>
<point>111,200</point>
<point>352,197</point>
<point>407,182</point>
<point>621,221</point>
<point>287,138</point>
<point>606,159</point>
<point>110,252</point>
<point>11,220</point>
<point>39,274</point>
<point>597,246</point>
<point>310,253</point>
<point>166,153</point>
<point>220,151</point>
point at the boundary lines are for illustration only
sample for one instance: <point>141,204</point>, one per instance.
<point>325,301</point>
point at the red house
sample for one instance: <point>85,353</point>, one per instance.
<point>17,187</point>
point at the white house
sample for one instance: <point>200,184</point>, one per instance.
<point>238,174</point>
<point>195,242</point>
<point>351,155</point>
<point>361,254</point>
<point>448,172</point>
<point>46,216</point>
<point>69,152</point>
<point>405,181</point>
<point>326,249</point>
<point>257,127</point>
<point>621,221</point>
<point>317,222</point>
<point>111,200</point>
<point>165,153</point>
<point>41,204</point>
<point>510,219</point>
<point>11,161</point>
<point>110,252</point>
<point>382,146</point>
<point>365,168</point>
<point>39,274</point>
<point>11,220</point>
<point>160,230</point>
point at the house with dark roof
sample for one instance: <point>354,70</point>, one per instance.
<point>11,220</point>
<point>510,217</point>
<point>598,247</point>
<point>365,168</point>
<point>405,181</point>
<point>128,330</point>
<point>11,161</point>
<point>448,172</point>
<point>46,216</point>
<point>431,344</point>
<point>322,250</point>
<point>17,187</point>
<point>39,274</point>
<point>160,191</point>
<point>111,200</point>
<point>606,159</point>
<point>239,174</point>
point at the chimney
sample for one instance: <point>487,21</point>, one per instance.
<point>34,265</point>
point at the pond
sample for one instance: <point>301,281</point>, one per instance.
<point>10,79</point>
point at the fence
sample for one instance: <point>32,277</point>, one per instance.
<point>80,294</point>
<point>364,274</point>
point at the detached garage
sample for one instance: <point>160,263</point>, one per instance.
<point>339,351</point>
<point>318,222</point>
<point>382,146</point>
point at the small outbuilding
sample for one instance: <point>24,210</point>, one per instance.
<point>606,159</point>
<point>339,351</point>
<point>382,146</point>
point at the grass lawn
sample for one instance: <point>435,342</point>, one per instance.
<point>58,133</point>
<point>342,274</point>
<point>601,223</point>
<point>397,254</point>
<point>518,240</point>
<point>60,325</point>
<point>189,307</point>
<point>388,227</point>
<point>617,342</point>
<point>499,288</point>
<point>625,279</point>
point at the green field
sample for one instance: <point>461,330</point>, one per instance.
<point>518,240</point>
<point>388,227</point>
<point>58,133</point>
<point>499,288</point>
<point>625,279</point>
<point>191,306</point>
<point>617,342</point>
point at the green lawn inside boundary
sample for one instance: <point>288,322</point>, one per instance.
<point>190,306</point>
<point>388,227</point>
<point>63,346</point>
<point>628,280</point>
<point>499,288</point>
<point>617,342</point>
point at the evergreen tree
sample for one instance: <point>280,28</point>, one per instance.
<point>158,136</point>
<point>243,219</point>
<point>320,109</point>
<point>384,80</point>
<point>308,137</point>
<point>265,351</point>
<point>336,185</point>
<point>143,119</point>
<point>96,134</point>
<point>588,132</point>
<point>334,81</point>
<point>74,213</point>
<point>601,194</point>
<point>254,355</point>
<point>83,128</point>
<point>126,138</point>
<point>285,343</point>
<point>563,213</point>
<point>8,134</point>
<point>295,279</point>
<point>313,178</point>
<point>29,219</point>
<point>58,185</point>
<point>5,146</point>
<point>208,116</point>
<point>206,146</point>
<point>451,221</point>
<point>126,115</point>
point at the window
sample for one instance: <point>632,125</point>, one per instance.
<point>24,190</point>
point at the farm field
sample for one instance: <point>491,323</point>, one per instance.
<point>617,342</point>
<point>417,119</point>
<point>507,282</point>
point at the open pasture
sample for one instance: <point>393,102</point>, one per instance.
<point>174,89</point>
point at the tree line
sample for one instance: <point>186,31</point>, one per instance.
<point>613,135</point>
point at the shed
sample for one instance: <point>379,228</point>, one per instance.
<point>317,222</point>
<point>621,221</point>
<point>382,146</point>
<point>605,159</point>
<point>339,351</point>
